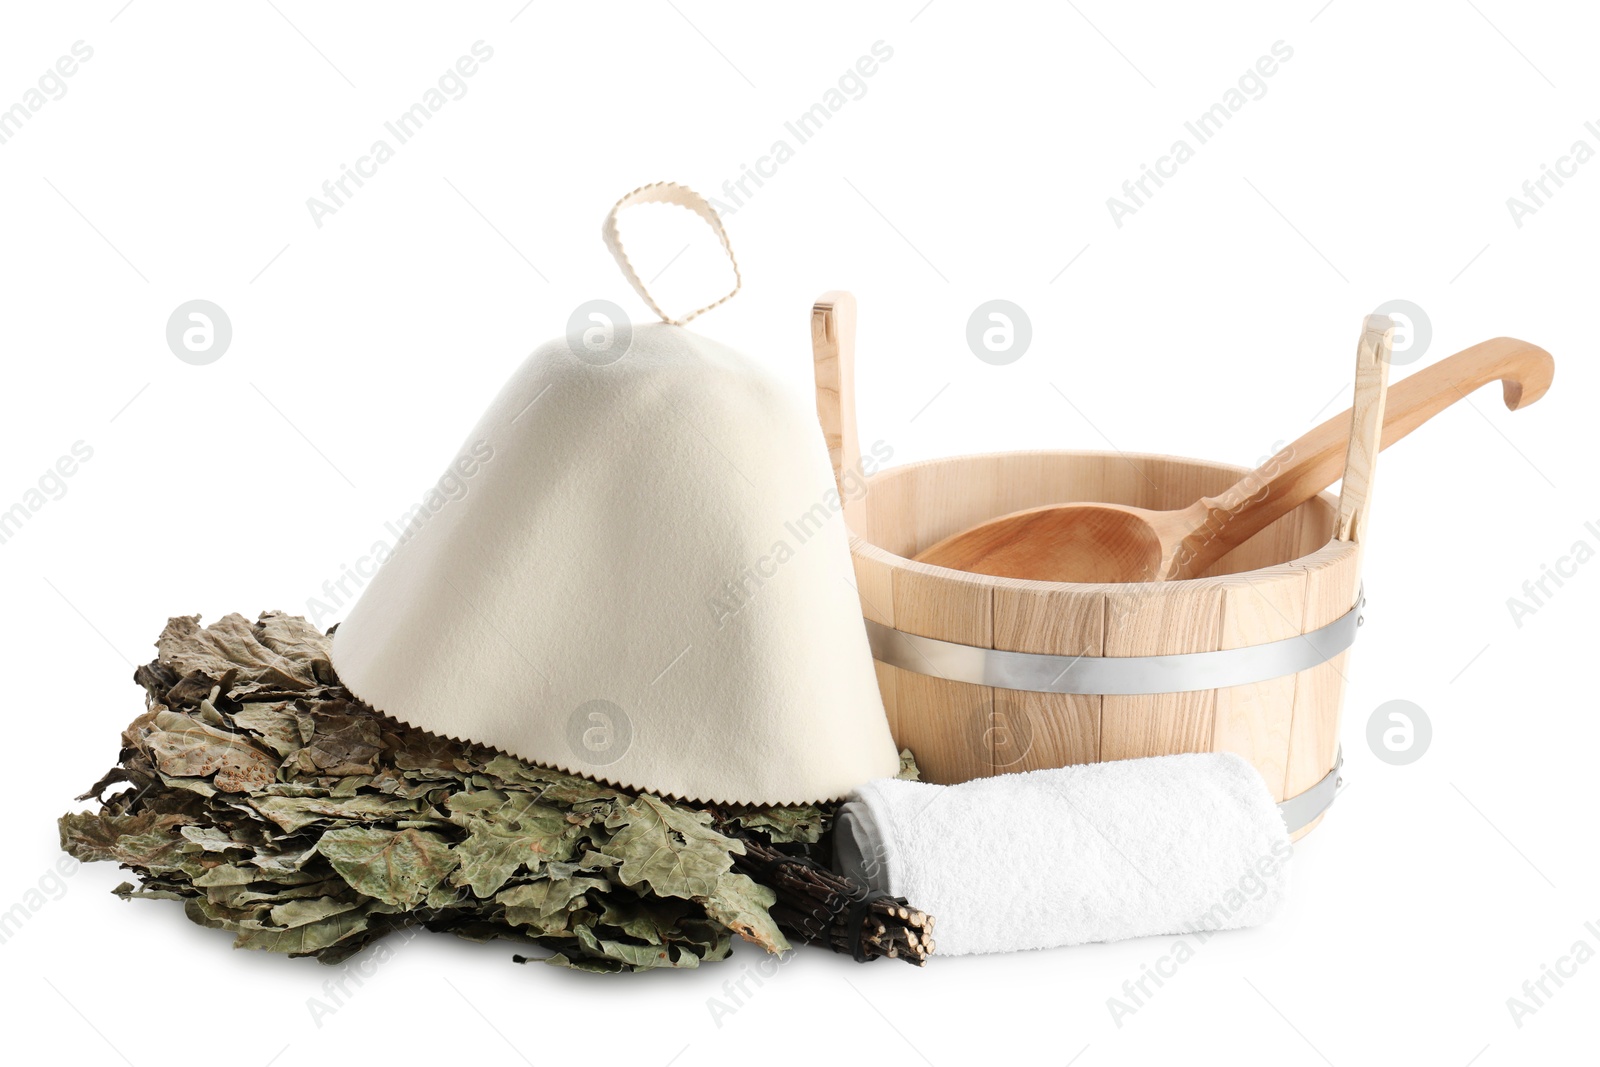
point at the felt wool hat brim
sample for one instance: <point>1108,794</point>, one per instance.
<point>637,572</point>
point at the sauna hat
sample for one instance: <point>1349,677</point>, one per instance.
<point>637,570</point>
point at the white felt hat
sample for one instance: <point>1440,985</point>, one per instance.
<point>637,570</point>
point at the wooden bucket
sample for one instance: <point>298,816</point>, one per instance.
<point>1287,596</point>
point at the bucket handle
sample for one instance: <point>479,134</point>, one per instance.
<point>833,353</point>
<point>1373,354</point>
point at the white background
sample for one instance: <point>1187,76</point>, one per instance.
<point>1217,320</point>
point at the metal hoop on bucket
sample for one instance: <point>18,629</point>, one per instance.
<point>1113,675</point>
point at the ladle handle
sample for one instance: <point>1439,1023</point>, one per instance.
<point>1310,464</point>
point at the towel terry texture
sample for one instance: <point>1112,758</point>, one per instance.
<point>1095,852</point>
<point>641,574</point>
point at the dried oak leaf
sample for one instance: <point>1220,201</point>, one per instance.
<point>273,726</point>
<point>673,850</point>
<point>184,747</point>
<point>295,813</point>
<point>397,867</point>
<point>149,839</point>
<point>507,833</point>
<point>311,939</point>
<point>628,955</point>
<point>340,745</point>
<point>230,644</point>
<point>783,826</point>
<point>741,905</point>
<point>297,641</point>
<point>545,902</point>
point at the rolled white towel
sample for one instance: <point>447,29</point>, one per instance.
<point>1094,852</point>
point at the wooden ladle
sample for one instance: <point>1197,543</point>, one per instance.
<point>1093,542</point>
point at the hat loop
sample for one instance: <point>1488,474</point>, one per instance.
<point>682,196</point>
